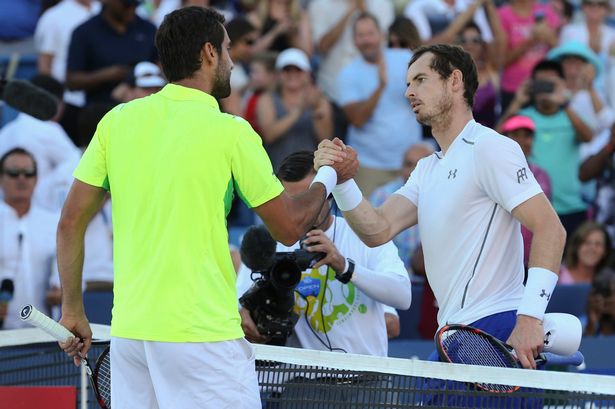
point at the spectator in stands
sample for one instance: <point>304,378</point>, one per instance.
<point>17,24</point>
<point>52,39</point>
<point>588,251</point>
<point>166,6</point>
<point>263,78</point>
<point>332,22</point>
<point>408,240</point>
<point>342,297</point>
<point>282,24</point>
<point>600,167</point>
<point>556,143</point>
<point>382,127</point>
<point>592,30</point>
<point>243,35</point>
<point>403,34</point>
<point>27,238</point>
<point>297,116</point>
<point>439,21</point>
<point>105,49</point>
<point>531,30</point>
<point>581,66</point>
<point>145,80</point>
<point>564,10</point>
<point>45,140</point>
<point>601,305</point>
<point>521,129</point>
<point>487,60</point>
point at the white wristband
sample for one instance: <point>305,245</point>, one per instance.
<point>347,195</point>
<point>327,176</point>
<point>537,293</point>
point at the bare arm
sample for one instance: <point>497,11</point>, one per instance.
<point>497,47</point>
<point>82,80</point>
<point>584,132</point>
<point>593,166</point>
<point>328,40</point>
<point>82,203</point>
<point>359,113</point>
<point>43,63</point>
<point>378,226</point>
<point>450,34</point>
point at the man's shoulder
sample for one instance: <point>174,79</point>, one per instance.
<point>89,27</point>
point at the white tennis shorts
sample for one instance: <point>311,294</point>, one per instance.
<point>169,375</point>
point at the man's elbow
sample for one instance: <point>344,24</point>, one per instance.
<point>288,235</point>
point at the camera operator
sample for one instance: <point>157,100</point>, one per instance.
<point>340,300</point>
<point>556,142</point>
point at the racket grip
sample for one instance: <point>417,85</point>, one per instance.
<point>36,318</point>
<point>575,359</point>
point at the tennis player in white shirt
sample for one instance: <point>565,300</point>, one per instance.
<point>468,200</point>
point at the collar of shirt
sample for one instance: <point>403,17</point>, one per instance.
<point>181,93</point>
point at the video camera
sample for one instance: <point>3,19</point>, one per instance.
<point>271,298</point>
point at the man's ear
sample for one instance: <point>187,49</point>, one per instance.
<point>209,54</point>
<point>457,80</point>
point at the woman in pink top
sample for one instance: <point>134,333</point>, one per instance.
<point>531,30</point>
<point>587,253</point>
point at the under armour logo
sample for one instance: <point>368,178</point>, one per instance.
<point>452,174</point>
<point>545,294</point>
<point>521,175</point>
<point>547,338</point>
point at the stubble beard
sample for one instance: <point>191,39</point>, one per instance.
<point>440,115</point>
<point>222,82</point>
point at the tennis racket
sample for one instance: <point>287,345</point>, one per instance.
<point>463,344</point>
<point>100,375</point>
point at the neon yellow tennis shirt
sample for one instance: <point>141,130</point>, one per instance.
<point>172,162</point>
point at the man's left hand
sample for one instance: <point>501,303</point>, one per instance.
<point>527,338</point>
<point>317,241</point>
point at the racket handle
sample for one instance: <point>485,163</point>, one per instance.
<point>575,359</point>
<point>36,318</point>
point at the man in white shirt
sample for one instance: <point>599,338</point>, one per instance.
<point>331,22</point>
<point>468,200</point>
<point>52,39</point>
<point>27,236</point>
<point>45,140</point>
<point>340,300</point>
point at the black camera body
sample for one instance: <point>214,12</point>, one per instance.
<point>271,298</point>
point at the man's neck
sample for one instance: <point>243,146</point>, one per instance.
<point>117,25</point>
<point>196,82</point>
<point>448,127</point>
<point>21,207</point>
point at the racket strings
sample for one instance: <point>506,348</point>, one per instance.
<point>469,348</point>
<point>103,378</point>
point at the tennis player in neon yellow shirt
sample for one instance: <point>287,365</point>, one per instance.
<point>172,162</point>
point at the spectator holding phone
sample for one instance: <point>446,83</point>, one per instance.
<point>556,143</point>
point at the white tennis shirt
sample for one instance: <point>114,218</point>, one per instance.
<point>473,246</point>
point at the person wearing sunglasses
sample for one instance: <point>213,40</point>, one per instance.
<point>27,236</point>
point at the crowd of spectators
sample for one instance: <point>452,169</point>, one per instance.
<point>309,70</point>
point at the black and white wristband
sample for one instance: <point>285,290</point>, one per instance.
<point>538,289</point>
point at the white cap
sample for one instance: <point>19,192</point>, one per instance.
<point>294,57</point>
<point>563,333</point>
<point>147,75</point>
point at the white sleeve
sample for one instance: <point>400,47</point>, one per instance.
<point>389,310</point>
<point>45,35</point>
<point>385,278</point>
<point>414,12</point>
<point>502,171</point>
<point>410,190</point>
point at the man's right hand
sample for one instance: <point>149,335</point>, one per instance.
<point>76,346</point>
<point>249,327</point>
<point>338,155</point>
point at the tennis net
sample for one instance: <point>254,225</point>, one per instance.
<point>291,378</point>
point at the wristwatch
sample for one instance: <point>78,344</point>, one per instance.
<point>346,275</point>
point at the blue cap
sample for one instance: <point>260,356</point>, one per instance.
<point>576,49</point>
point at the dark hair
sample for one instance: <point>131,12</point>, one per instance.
<point>296,166</point>
<point>267,58</point>
<point>548,65</point>
<point>577,239</point>
<point>365,15</point>
<point>49,84</point>
<point>471,25</point>
<point>446,59</point>
<point>238,28</point>
<point>181,37</point>
<point>16,151</point>
<point>405,29</point>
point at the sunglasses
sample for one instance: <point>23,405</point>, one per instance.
<point>595,3</point>
<point>15,173</point>
<point>474,40</point>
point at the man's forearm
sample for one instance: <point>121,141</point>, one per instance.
<point>547,246</point>
<point>367,222</point>
<point>70,249</point>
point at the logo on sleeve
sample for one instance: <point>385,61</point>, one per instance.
<point>521,175</point>
<point>452,174</point>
